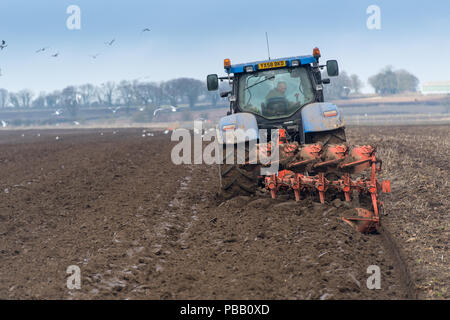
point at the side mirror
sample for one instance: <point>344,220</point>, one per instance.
<point>212,82</point>
<point>332,68</point>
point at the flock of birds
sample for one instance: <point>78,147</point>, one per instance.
<point>4,45</point>
<point>59,112</point>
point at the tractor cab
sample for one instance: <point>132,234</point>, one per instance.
<point>276,91</point>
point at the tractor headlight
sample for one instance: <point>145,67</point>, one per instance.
<point>249,69</point>
<point>295,63</point>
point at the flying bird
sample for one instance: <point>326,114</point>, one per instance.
<point>146,30</point>
<point>55,55</point>
<point>110,43</point>
<point>171,108</point>
<point>58,112</point>
<point>3,45</point>
<point>4,124</point>
<point>94,56</point>
<point>42,49</point>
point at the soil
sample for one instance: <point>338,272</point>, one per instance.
<point>140,227</point>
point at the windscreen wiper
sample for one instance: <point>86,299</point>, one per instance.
<point>271,77</point>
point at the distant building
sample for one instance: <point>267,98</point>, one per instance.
<point>442,87</point>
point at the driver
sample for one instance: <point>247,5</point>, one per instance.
<point>279,91</point>
<point>276,108</point>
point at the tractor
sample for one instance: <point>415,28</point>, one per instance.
<point>279,105</point>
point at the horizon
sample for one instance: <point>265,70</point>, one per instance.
<point>191,42</point>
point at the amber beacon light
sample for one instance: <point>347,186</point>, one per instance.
<point>316,53</point>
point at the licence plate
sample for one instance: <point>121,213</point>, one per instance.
<point>272,64</point>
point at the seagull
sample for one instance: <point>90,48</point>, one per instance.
<point>42,49</point>
<point>141,109</point>
<point>110,43</point>
<point>58,112</point>
<point>172,108</point>
<point>55,55</point>
<point>114,110</point>
<point>3,45</point>
<point>76,123</point>
<point>156,111</point>
<point>146,30</point>
<point>4,124</point>
<point>94,56</point>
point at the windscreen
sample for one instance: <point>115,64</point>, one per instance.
<point>275,93</point>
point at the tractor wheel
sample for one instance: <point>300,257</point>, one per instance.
<point>237,179</point>
<point>329,137</point>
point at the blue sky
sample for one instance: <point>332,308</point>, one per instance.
<point>191,38</point>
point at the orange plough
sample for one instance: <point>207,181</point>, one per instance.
<point>315,168</point>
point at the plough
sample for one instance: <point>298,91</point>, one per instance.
<point>305,169</point>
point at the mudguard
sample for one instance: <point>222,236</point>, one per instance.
<point>323,116</point>
<point>237,128</point>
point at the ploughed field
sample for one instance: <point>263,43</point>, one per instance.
<point>140,227</point>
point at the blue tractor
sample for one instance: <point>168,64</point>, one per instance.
<point>283,93</point>
<point>286,95</point>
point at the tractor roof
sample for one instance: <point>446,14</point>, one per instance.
<point>269,64</point>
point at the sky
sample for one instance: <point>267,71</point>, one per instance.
<point>191,38</point>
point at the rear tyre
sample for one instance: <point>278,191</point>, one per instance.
<point>237,179</point>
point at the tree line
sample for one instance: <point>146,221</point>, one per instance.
<point>124,93</point>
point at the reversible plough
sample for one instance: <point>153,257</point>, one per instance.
<point>317,168</point>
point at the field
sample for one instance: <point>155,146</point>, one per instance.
<point>139,227</point>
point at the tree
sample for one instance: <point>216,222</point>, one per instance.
<point>53,100</point>
<point>14,99</point>
<point>149,93</point>
<point>69,100</point>
<point>25,97</point>
<point>40,101</point>
<point>356,83</point>
<point>191,89</point>
<point>388,81</point>
<point>127,94</point>
<point>385,82</point>
<point>406,81</point>
<point>4,95</point>
<point>171,91</point>
<point>106,93</point>
<point>87,92</point>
